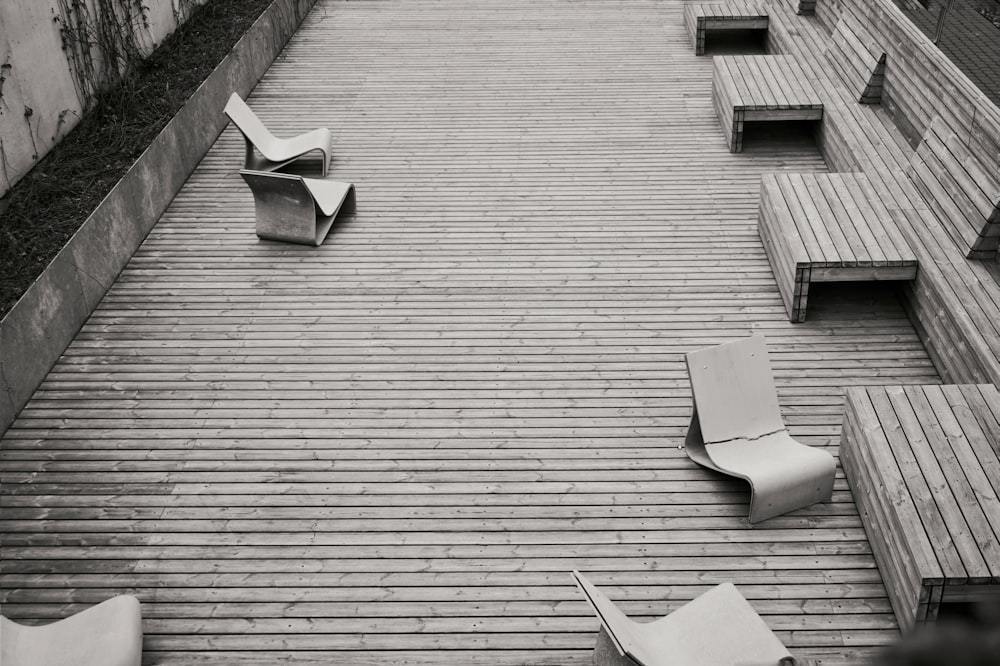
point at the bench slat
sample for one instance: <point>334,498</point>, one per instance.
<point>870,229</point>
<point>926,437</point>
<point>974,494</point>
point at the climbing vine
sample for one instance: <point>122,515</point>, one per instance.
<point>102,41</point>
<point>182,9</point>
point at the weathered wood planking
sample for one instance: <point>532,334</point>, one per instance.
<point>922,82</point>
<point>923,464</point>
<point>731,15</point>
<point>962,187</point>
<point>858,59</point>
<point>828,228</point>
<point>394,447</point>
<point>954,301</point>
<point>755,88</point>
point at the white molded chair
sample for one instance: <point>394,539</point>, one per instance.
<point>295,209</point>
<point>737,429</point>
<point>108,634</point>
<point>719,628</point>
<point>274,152</point>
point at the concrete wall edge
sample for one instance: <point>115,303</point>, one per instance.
<point>44,321</point>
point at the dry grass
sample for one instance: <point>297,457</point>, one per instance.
<point>46,208</point>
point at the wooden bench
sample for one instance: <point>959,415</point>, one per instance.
<point>755,88</point>
<point>733,15</point>
<point>954,302</point>
<point>828,227</point>
<point>923,464</point>
<point>963,188</point>
<point>858,60</point>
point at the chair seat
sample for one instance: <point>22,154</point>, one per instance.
<point>719,628</point>
<point>784,475</point>
<point>275,153</point>
<point>328,194</point>
<point>280,150</point>
<point>108,634</point>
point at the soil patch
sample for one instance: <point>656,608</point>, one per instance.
<point>43,211</point>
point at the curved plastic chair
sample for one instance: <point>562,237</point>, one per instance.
<point>294,209</point>
<point>274,152</point>
<point>719,628</point>
<point>108,634</point>
<point>737,429</point>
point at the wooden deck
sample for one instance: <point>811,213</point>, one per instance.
<point>395,447</point>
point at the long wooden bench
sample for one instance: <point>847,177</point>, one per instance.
<point>828,228</point>
<point>921,83</point>
<point>756,88</point>
<point>732,15</point>
<point>923,463</point>
<point>962,187</point>
<point>954,302</point>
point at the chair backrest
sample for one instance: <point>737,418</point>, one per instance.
<point>617,625</point>
<point>734,390</point>
<point>284,208</point>
<point>717,627</point>
<point>247,121</point>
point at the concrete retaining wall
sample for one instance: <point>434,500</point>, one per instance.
<point>39,101</point>
<point>44,321</point>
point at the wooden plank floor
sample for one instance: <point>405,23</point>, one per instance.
<point>393,448</point>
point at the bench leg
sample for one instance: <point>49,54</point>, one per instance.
<point>736,140</point>
<point>800,295</point>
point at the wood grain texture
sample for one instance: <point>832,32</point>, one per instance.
<point>761,88</point>
<point>954,301</point>
<point>919,460</point>
<point>394,447</point>
<point>859,59</point>
<point>962,187</point>
<point>828,228</point>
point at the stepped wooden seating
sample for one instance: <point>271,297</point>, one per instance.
<point>737,429</point>
<point>719,628</point>
<point>275,153</point>
<point>294,209</point>
<point>828,228</point>
<point>757,88</point>
<point>962,188</point>
<point>954,302</point>
<point>923,463</point>
<point>732,15</point>
<point>858,60</point>
<point>108,634</point>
